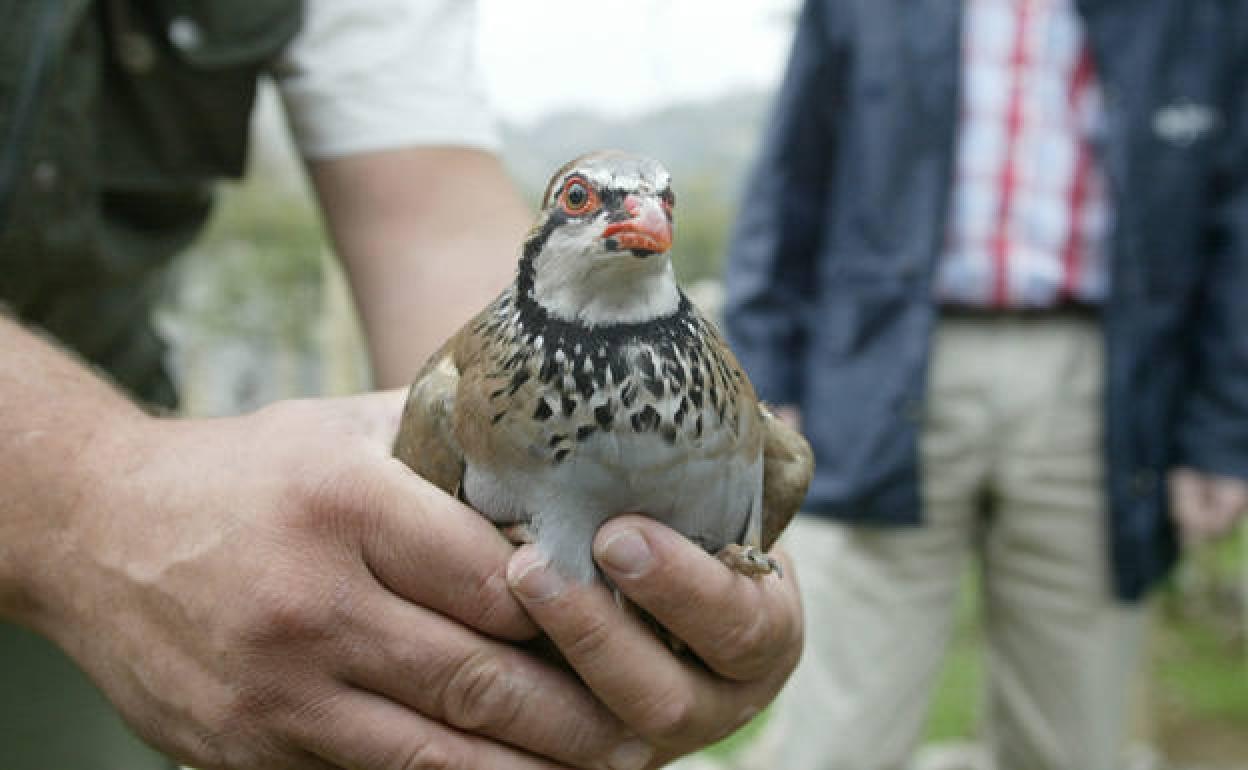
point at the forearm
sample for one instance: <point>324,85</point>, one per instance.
<point>428,236</point>
<point>54,416</point>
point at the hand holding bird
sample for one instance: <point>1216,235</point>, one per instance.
<point>592,387</point>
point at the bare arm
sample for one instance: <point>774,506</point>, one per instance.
<point>52,414</point>
<point>428,237</point>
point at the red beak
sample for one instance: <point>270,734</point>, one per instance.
<point>648,231</point>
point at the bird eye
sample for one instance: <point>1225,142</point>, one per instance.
<point>578,198</point>
<point>669,199</point>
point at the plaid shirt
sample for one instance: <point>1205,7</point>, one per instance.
<point>1030,214</point>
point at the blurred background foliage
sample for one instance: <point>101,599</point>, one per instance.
<point>264,276</point>
<point>258,307</point>
<point>260,312</point>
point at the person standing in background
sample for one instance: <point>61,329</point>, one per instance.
<point>994,259</point>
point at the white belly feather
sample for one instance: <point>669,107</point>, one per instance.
<point>704,487</point>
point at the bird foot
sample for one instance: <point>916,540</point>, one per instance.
<point>518,534</point>
<point>749,560</point>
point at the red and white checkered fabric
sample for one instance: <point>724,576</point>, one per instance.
<point>1030,213</point>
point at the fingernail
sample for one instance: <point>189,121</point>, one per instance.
<point>631,755</point>
<point>626,552</point>
<point>536,582</point>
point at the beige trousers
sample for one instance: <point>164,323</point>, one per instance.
<point>1012,471</point>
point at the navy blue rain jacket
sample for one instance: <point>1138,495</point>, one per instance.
<point>829,278</point>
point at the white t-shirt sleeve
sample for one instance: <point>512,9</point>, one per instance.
<point>366,75</point>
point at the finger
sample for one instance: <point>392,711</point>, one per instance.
<point>436,552</point>
<point>742,627</point>
<point>477,685</point>
<point>1187,501</point>
<point>366,732</point>
<point>1230,498</point>
<point>668,701</point>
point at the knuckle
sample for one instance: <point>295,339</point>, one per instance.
<point>672,717</point>
<point>429,754</point>
<point>748,648</point>
<point>481,693</point>
<point>280,616</point>
<point>331,498</point>
<point>249,719</point>
<point>314,492</point>
<point>587,641</point>
<point>490,588</point>
<point>794,643</point>
<point>491,606</point>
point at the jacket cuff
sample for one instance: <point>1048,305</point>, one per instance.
<point>1217,447</point>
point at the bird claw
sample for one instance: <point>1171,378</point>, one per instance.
<point>749,560</point>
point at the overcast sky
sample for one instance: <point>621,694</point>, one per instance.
<point>621,58</point>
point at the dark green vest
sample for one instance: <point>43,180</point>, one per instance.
<point>116,118</point>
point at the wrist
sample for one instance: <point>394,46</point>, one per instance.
<point>67,480</point>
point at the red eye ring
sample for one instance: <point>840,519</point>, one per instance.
<point>578,197</point>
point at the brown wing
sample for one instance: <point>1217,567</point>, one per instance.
<point>788,464</point>
<point>426,442</point>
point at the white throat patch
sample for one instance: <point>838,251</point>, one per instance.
<point>576,279</point>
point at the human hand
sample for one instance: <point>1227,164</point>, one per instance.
<point>746,632</point>
<point>1205,506</point>
<point>275,591</point>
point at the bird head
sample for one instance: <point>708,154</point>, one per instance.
<point>599,250</point>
